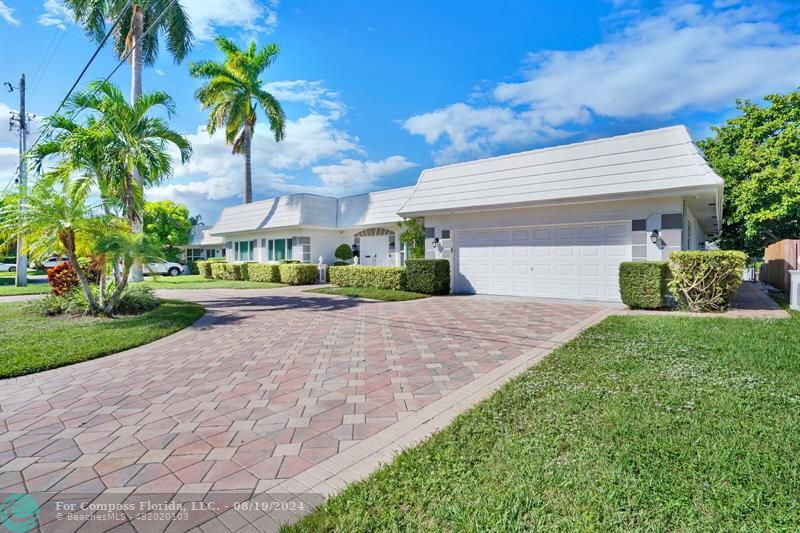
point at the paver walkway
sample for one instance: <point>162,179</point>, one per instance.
<point>272,390</point>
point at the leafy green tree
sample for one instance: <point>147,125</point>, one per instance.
<point>758,155</point>
<point>413,235</point>
<point>168,223</point>
<point>233,93</point>
<point>343,252</point>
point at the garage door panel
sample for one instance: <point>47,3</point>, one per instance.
<point>580,261</point>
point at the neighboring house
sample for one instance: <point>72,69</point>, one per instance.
<point>554,222</point>
<point>203,245</point>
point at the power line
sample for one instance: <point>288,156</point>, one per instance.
<point>153,25</point>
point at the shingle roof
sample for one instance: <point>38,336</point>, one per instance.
<point>655,160</point>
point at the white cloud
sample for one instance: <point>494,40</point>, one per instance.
<point>330,159</point>
<point>7,14</point>
<point>9,159</point>
<point>55,14</point>
<point>250,16</point>
<point>684,59</point>
<point>352,176</point>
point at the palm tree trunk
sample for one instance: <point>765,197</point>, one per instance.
<point>137,28</point>
<point>68,240</point>
<point>248,169</point>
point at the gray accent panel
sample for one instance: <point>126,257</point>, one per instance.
<point>672,238</point>
<point>639,237</point>
<point>672,221</point>
<point>639,252</point>
<point>638,225</point>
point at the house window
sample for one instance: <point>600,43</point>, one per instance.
<point>244,250</point>
<point>279,249</point>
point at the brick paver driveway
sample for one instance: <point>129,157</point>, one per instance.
<point>275,388</point>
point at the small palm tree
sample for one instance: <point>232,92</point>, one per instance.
<point>233,93</point>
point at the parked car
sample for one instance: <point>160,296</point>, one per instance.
<point>8,267</point>
<point>165,267</point>
<point>52,261</point>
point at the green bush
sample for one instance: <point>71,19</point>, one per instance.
<point>643,284</point>
<point>264,272</point>
<point>340,263</point>
<point>136,298</point>
<point>368,277</point>
<point>204,267</point>
<point>706,281</point>
<point>227,271</point>
<point>298,273</point>
<point>192,265</point>
<point>428,276</point>
<point>50,305</point>
<point>289,261</point>
<point>344,253</point>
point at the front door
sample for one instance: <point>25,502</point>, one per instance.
<point>374,251</point>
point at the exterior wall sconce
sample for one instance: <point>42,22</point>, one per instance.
<point>654,236</point>
<point>436,242</point>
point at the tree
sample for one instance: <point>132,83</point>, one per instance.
<point>167,223</point>
<point>413,235</point>
<point>138,17</point>
<point>233,92</point>
<point>758,155</point>
<point>343,252</point>
<point>132,142</point>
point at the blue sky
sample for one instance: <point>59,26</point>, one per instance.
<point>377,91</point>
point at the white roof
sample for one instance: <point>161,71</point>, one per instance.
<point>200,235</point>
<point>281,212</point>
<point>372,208</point>
<point>656,160</point>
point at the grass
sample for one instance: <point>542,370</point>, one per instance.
<point>196,281</point>
<point>640,423</point>
<point>386,295</point>
<point>31,343</point>
<point>7,287</point>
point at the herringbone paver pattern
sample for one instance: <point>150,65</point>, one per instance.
<point>266,385</point>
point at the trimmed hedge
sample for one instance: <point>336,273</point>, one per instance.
<point>264,272</point>
<point>228,271</point>
<point>643,284</point>
<point>428,276</point>
<point>706,281</point>
<point>368,277</point>
<point>298,273</point>
<point>204,267</point>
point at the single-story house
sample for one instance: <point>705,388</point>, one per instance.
<point>554,222</point>
<point>203,245</point>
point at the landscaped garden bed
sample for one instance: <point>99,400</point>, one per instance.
<point>641,422</point>
<point>30,342</point>
<point>196,281</point>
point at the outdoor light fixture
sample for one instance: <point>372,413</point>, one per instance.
<point>435,242</point>
<point>654,236</point>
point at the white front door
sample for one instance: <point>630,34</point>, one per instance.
<point>374,251</point>
<point>578,262</point>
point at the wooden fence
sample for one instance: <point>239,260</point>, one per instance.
<point>779,259</point>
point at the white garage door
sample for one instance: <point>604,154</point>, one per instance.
<point>578,262</point>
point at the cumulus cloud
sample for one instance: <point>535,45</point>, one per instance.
<point>55,14</point>
<point>684,59</point>
<point>7,14</point>
<point>329,159</point>
<point>250,16</point>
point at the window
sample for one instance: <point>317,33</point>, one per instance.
<point>244,250</point>
<point>279,249</point>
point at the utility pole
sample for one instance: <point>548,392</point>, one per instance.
<point>21,122</point>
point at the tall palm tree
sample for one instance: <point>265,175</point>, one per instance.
<point>233,92</point>
<point>138,16</point>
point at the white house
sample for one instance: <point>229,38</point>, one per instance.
<point>203,245</point>
<point>554,222</point>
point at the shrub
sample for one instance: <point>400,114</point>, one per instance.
<point>706,281</point>
<point>50,305</point>
<point>643,284</point>
<point>192,265</point>
<point>289,261</point>
<point>62,279</point>
<point>344,253</point>
<point>204,267</point>
<point>264,272</point>
<point>340,263</point>
<point>227,271</point>
<point>298,273</point>
<point>428,276</point>
<point>93,267</point>
<point>368,277</point>
<point>136,298</point>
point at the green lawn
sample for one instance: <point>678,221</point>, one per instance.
<point>640,423</point>
<point>30,342</point>
<point>7,287</point>
<point>195,281</point>
<point>373,294</point>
